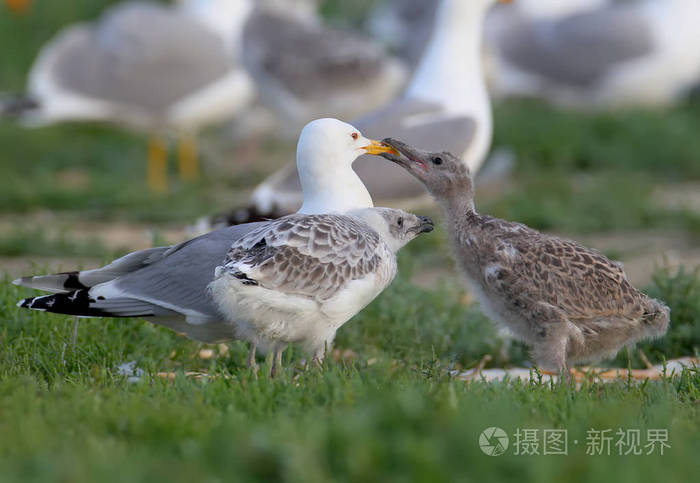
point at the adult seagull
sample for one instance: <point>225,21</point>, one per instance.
<point>168,285</point>
<point>151,67</point>
<point>445,105</point>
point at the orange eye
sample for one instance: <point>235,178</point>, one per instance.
<point>355,136</point>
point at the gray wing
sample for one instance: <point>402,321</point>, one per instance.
<point>139,55</point>
<point>306,59</point>
<point>578,50</point>
<point>169,285</point>
<point>422,124</point>
<point>178,280</point>
<point>314,256</point>
<point>69,281</point>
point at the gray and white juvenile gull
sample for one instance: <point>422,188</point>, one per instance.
<point>570,303</point>
<point>299,278</point>
<point>444,105</point>
<point>168,285</point>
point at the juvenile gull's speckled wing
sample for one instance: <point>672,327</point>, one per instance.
<point>314,256</point>
<point>534,270</point>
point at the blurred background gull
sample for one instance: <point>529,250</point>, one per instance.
<point>577,53</point>
<point>151,67</point>
<point>599,54</point>
<point>305,69</point>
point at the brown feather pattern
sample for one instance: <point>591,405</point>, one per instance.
<point>569,301</point>
<point>311,255</point>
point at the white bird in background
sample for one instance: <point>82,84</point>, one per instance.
<point>445,106</point>
<point>305,69</point>
<point>597,53</point>
<point>169,285</point>
<point>147,66</point>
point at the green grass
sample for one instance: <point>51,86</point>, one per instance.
<point>36,243</point>
<point>96,172</point>
<point>346,424</point>
<point>681,291</point>
<point>393,414</point>
<point>583,172</point>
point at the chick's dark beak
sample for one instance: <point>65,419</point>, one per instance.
<point>408,157</point>
<point>426,224</point>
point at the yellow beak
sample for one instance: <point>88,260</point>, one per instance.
<point>377,147</point>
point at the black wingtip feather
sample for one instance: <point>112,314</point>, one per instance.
<point>25,303</point>
<point>73,303</point>
<point>72,281</point>
<point>77,302</point>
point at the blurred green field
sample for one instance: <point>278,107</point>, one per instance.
<point>627,182</point>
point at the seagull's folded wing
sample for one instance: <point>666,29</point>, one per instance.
<point>313,256</point>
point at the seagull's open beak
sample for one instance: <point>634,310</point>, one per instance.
<point>378,147</point>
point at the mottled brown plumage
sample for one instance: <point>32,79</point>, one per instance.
<point>309,255</point>
<point>570,303</point>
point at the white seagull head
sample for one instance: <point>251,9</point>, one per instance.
<point>326,150</point>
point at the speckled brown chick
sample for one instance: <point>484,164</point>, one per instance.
<point>570,303</point>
